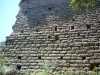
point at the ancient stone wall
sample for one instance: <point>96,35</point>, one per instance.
<point>72,43</point>
<point>34,13</point>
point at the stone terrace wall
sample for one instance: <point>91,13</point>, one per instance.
<point>72,45</point>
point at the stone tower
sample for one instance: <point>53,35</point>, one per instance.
<point>50,30</point>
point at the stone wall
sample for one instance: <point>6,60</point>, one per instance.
<point>72,43</point>
<point>34,13</point>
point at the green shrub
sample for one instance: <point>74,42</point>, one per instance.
<point>5,69</point>
<point>3,60</point>
<point>48,69</point>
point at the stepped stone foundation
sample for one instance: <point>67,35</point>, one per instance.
<point>48,30</point>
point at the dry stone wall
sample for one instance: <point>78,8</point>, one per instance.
<point>34,13</point>
<point>72,44</point>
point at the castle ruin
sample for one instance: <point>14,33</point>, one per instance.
<point>50,30</point>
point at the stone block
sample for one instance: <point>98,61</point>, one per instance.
<point>71,52</point>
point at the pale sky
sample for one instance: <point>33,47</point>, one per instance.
<point>8,12</point>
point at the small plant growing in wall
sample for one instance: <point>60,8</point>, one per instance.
<point>95,70</point>
<point>5,69</point>
<point>47,70</point>
<point>3,60</point>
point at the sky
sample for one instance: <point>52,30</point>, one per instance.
<point>8,12</point>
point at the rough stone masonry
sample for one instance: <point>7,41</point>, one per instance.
<point>50,30</point>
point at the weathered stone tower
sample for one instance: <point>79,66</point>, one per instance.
<point>50,30</point>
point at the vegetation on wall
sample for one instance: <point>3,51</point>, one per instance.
<point>79,5</point>
<point>47,70</point>
<point>5,68</point>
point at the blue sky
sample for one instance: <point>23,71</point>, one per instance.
<point>8,12</point>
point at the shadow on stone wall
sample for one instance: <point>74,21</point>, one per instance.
<point>38,13</point>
